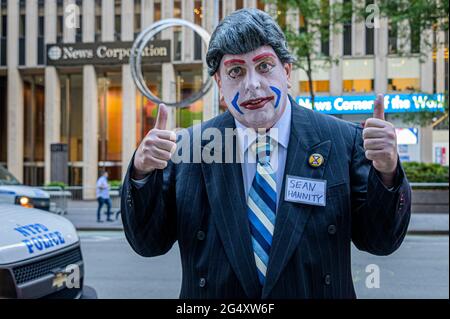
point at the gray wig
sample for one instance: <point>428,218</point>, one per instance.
<point>243,31</point>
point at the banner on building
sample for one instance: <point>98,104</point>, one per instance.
<point>359,104</point>
<point>70,54</point>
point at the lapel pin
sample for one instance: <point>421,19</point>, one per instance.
<point>316,160</point>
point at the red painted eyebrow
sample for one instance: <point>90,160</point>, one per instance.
<point>262,55</point>
<point>231,61</point>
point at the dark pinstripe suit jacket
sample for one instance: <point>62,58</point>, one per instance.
<point>203,207</point>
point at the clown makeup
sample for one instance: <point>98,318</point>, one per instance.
<point>254,86</point>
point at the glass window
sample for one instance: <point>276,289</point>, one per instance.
<point>177,34</point>
<point>177,39</point>
<point>348,33</point>
<point>72,123</point>
<point>41,51</point>
<point>59,21</point>
<point>59,28</point>
<point>79,30</point>
<point>177,9</point>
<point>3,117</point>
<point>198,12</point>
<point>6,178</point>
<point>41,24</point>
<point>117,20</point>
<point>358,75</point>
<point>98,20</point>
<point>110,123</point>
<point>403,74</point>
<point>325,42</point>
<point>325,29</point>
<point>318,86</point>
<point>157,16</point>
<point>415,37</point>
<point>301,23</point>
<point>137,17</point>
<point>34,107</point>
<point>405,84</point>
<point>358,85</point>
<point>3,33</point>
<point>348,39</point>
<point>187,83</point>
<point>157,10</point>
<point>260,4</point>
<point>392,40</point>
<point>198,16</point>
<point>370,35</point>
<point>4,25</point>
<point>22,25</point>
<point>146,109</point>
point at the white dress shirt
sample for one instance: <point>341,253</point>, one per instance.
<point>277,161</point>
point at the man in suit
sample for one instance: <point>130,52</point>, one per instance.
<point>276,218</point>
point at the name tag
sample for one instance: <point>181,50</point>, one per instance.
<point>305,190</point>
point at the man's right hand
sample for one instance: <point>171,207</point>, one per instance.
<point>156,148</point>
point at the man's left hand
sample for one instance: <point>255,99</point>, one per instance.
<point>380,143</point>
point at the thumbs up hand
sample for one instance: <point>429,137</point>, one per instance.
<point>156,148</point>
<point>380,143</point>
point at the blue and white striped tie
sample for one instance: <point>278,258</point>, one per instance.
<point>261,202</point>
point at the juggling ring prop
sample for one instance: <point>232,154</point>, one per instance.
<point>136,59</point>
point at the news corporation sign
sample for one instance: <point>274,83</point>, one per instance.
<point>72,54</point>
<point>358,104</point>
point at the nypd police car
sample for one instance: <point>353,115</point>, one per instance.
<point>40,255</point>
<point>11,191</point>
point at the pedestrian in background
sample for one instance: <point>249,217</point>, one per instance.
<point>102,193</point>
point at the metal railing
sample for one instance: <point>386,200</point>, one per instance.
<point>60,197</point>
<point>77,194</point>
<point>429,185</point>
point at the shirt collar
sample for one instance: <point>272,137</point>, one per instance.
<point>283,125</point>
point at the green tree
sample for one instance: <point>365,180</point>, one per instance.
<point>318,20</point>
<point>420,17</point>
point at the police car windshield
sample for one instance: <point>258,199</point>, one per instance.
<point>6,178</point>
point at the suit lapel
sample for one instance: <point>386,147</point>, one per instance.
<point>292,217</point>
<point>226,196</point>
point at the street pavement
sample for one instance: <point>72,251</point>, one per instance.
<point>83,214</point>
<point>418,269</point>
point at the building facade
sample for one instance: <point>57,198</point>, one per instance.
<point>95,109</point>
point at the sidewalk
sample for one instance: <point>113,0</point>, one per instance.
<point>83,215</point>
<point>428,223</point>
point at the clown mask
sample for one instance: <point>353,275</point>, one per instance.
<point>254,86</point>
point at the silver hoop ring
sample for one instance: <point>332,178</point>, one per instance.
<point>136,59</point>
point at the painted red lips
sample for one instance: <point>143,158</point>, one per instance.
<point>254,104</point>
